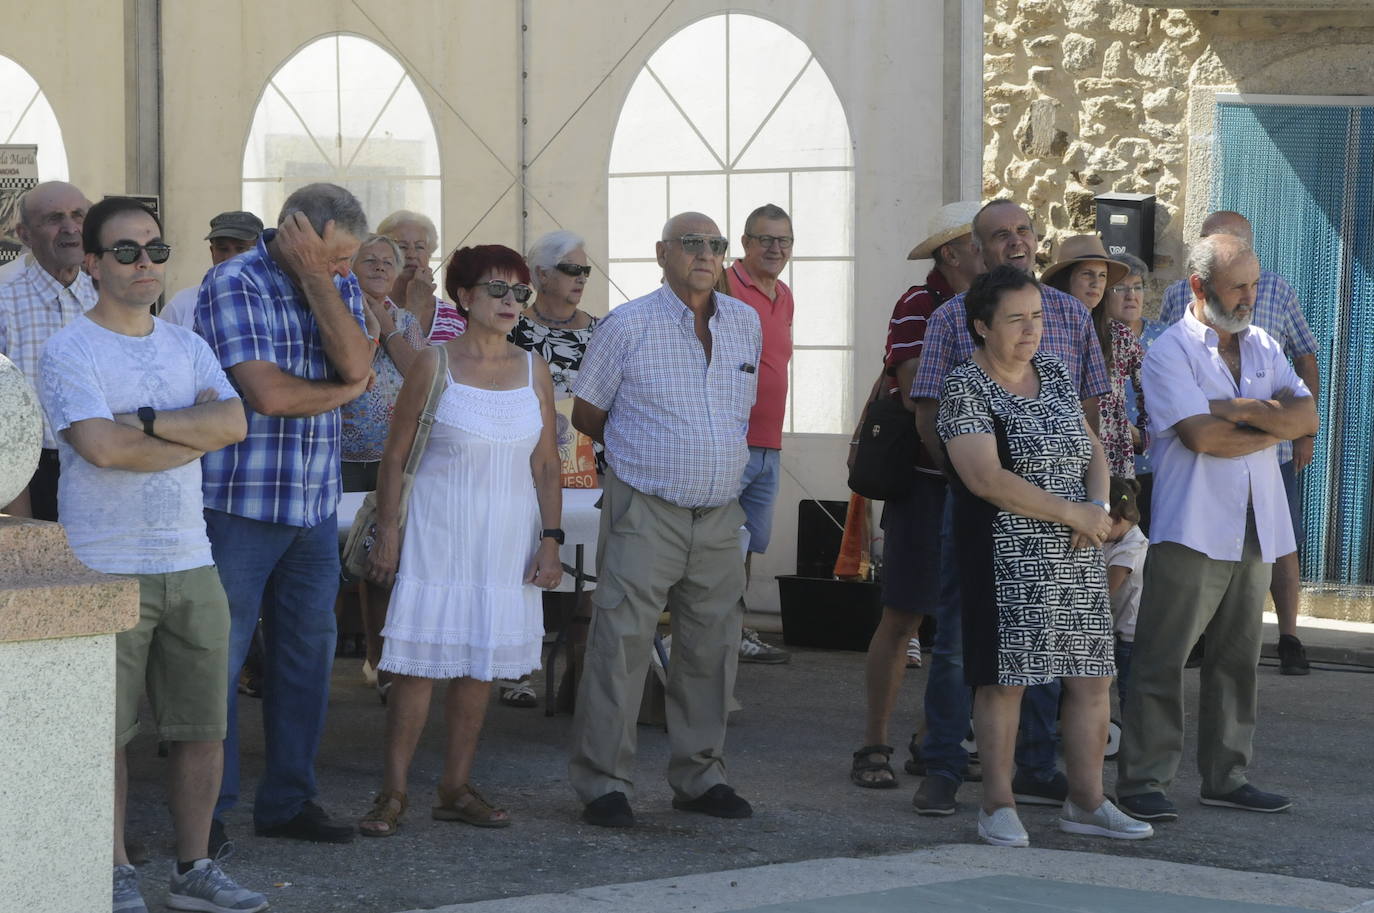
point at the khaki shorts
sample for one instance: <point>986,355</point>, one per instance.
<point>179,651</point>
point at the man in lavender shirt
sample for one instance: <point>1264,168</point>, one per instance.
<point>1222,395</point>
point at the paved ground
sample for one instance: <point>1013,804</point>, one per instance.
<point>789,751</point>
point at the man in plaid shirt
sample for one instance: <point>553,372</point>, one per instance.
<point>1004,234</point>
<point>667,385</point>
<point>286,322</point>
<point>43,297</point>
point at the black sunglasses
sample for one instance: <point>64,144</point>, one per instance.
<point>572,269</point>
<point>694,244</point>
<point>127,252</point>
<point>499,288</point>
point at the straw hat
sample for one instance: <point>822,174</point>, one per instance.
<point>1082,248</point>
<point>953,220</point>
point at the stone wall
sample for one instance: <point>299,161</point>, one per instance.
<point>1087,96</point>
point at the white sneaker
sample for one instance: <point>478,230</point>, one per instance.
<point>1002,828</point>
<point>1107,821</point>
<point>913,653</point>
<point>753,650</point>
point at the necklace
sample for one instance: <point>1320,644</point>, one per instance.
<point>549,320</point>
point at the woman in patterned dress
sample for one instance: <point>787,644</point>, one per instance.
<point>1030,486</point>
<point>1085,271</point>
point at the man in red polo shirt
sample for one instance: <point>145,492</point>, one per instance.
<point>754,280</point>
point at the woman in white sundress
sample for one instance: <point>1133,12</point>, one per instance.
<point>481,535</point>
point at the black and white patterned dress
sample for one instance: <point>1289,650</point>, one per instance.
<point>563,349</point>
<point>1034,609</point>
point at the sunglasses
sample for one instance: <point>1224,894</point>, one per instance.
<point>499,288</point>
<point>572,269</point>
<point>127,252</point>
<point>695,244</point>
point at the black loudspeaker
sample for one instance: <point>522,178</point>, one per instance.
<point>820,529</point>
<point>1126,222</point>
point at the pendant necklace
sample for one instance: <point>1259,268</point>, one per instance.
<point>549,320</point>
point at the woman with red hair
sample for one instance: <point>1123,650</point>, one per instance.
<point>482,535</point>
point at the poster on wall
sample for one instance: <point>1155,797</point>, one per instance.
<point>18,174</point>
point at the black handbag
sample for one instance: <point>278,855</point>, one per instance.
<point>885,454</point>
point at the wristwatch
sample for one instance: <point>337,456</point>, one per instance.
<point>1101,504</point>
<point>147,416</point>
<point>554,534</point>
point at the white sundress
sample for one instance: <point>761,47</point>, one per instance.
<point>461,607</point>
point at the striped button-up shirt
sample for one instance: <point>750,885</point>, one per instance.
<point>677,423</point>
<point>287,469</point>
<point>33,306</point>
<point>1068,335</point>
<point>1276,311</point>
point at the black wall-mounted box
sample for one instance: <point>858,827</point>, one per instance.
<point>1126,222</point>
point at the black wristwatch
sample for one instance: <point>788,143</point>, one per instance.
<point>554,534</point>
<point>147,416</point>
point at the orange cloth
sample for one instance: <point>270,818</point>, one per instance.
<point>855,559</point>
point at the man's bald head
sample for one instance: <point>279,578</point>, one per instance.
<point>689,223</point>
<point>1227,222</point>
<point>50,220</point>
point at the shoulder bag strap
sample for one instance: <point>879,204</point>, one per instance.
<point>417,448</point>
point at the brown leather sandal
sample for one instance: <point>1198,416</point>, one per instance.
<point>387,808</point>
<point>464,804</point>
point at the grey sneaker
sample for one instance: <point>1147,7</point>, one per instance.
<point>206,889</point>
<point>127,898</point>
<point>1107,821</point>
<point>754,650</point>
<point>1002,828</point>
<point>936,796</point>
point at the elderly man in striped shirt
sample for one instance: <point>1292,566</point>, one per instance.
<point>667,386</point>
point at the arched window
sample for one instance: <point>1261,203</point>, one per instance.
<point>730,113</point>
<point>26,118</point>
<point>342,109</point>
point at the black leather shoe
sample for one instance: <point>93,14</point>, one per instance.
<point>1148,807</point>
<point>311,823</point>
<point>720,801</point>
<point>610,810</point>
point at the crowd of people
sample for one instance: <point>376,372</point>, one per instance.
<point>204,453</point>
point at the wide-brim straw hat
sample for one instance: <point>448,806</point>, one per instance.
<point>953,220</point>
<point>1082,248</point>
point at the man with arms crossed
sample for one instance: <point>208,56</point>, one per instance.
<point>135,402</point>
<point>1222,395</point>
<point>667,385</point>
<point>285,320</point>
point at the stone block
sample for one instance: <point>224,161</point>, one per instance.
<point>1080,52</point>
<point>1094,85</point>
<point>1179,26</point>
<point>1041,76</point>
<point>995,66</point>
<point>1086,15</point>
<point>1165,62</point>
<point>1001,111</point>
<point>1080,209</point>
<point>1132,150</point>
<point>1040,47</point>
<point>1009,92</point>
<point>1041,132</point>
<point>1128,20</point>
<point>1112,109</point>
<point>1035,13</point>
<point>1002,35</point>
<point>1113,60</point>
<point>1165,102</point>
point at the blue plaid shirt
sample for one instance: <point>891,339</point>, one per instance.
<point>287,469</point>
<point>677,423</point>
<point>1276,311</point>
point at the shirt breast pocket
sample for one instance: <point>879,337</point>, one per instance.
<point>744,385</point>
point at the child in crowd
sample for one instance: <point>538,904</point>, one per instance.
<point>1124,552</point>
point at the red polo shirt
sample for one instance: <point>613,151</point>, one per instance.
<point>775,314</point>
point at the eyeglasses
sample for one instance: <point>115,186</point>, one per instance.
<point>572,269</point>
<point>1136,289</point>
<point>695,244</point>
<point>374,262</point>
<point>499,288</point>
<point>127,252</point>
<point>783,242</point>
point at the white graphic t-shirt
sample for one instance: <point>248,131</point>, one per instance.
<point>118,521</point>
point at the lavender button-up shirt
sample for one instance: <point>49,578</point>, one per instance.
<point>676,425</point>
<point>1200,500</point>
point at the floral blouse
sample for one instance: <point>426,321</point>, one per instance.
<point>562,349</point>
<point>1115,423</point>
<point>367,419</point>
<point>1151,331</point>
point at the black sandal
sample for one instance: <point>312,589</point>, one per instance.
<point>864,764</point>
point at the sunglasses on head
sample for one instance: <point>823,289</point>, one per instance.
<point>127,252</point>
<point>499,288</point>
<point>694,244</point>
<point>572,269</point>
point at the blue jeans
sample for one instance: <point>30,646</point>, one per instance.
<point>948,701</point>
<point>289,575</point>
